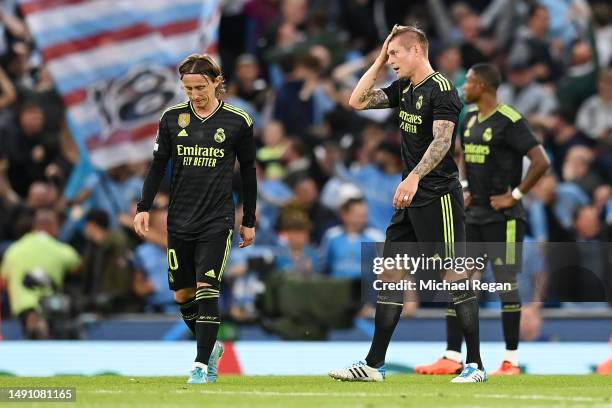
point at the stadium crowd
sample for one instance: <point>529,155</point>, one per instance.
<point>327,174</point>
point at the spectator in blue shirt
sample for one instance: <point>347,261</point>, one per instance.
<point>340,251</point>
<point>113,191</point>
<point>296,255</point>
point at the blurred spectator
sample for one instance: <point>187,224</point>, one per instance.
<point>19,67</point>
<point>107,278</point>
<point>356,18</point>
<point>12,28</point>
<point>27,147</point>
<point>568,19</point>
<point>270,155</point>
<point>448,62</point>
<point>272,194</point>
<point>261,14</point>
<point>583,279</point>
<point>340,251</point>
<point>550,211</point>
<point>112,191</point>
<point>577,169</point>
<point>299,161</point>
<point>581,79</point>
<point>524,93</point>
<point>41,195</point>
<point>303,99</point>
<point>35,267</point>
<point>247,84</point>
<point>295,254</point>
<point>464,29</point>
<point>378,182</point>
<point>474,46</point>
<point>151,262</point>
<point>245,269</point>
<point>602,16</point>
<point>306,198</point>
<point>563,136</point>
<point>292,13</point>
<point>594,117</point>
<point>533,48</point>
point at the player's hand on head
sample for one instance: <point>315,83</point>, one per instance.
<point>503,201</point>
<point>383,56</point>
<point>141,223</point>
<point>247,234</point>
<point>406,191</point>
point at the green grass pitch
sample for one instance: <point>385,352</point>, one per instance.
<point>295,392</point>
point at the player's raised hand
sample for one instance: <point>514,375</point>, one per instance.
<point>141,223</point>
<point>406,191</point>
<point>248,236</point>
<point>383,56</point>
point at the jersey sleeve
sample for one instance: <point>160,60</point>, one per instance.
<point>392,92</point>
<point>245,153</point>
<point>162,150</point>
<point>162,146</point>
<point>519,136</point>
<point>446,105</point>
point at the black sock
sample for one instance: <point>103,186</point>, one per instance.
<point>207,325</point>
<point>511,321</point>
<point>466,306</point>
<point>189,313</point>
<point>387,316</point>
<point>454,334</point>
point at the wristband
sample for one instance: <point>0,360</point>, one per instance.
<point>517,194</point>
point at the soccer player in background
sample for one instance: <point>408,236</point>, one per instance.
<point>202,138</point>
<point>495,137</point>
<point>429,200</point>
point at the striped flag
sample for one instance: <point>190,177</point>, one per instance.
<point>114,63</point>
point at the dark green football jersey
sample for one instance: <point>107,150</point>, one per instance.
<point>434,98</point>
<point>202,152</point>
<point>493,150</point>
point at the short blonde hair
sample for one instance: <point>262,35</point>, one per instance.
<point>414,33</point>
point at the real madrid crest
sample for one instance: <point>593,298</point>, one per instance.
<point>419,102</point>
<point>184,119</point>
<point>487,135</point>
<point>219,135</point>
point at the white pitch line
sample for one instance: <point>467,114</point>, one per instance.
<point>355,394</point>
<point>370,394</point>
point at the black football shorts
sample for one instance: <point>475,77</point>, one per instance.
<point>190,262</point>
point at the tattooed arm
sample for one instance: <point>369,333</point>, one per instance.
<point>442,139</point>
<point>364,95</point>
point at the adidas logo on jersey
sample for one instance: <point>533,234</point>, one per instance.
<point>211,273</point>
<point>183,132</point>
